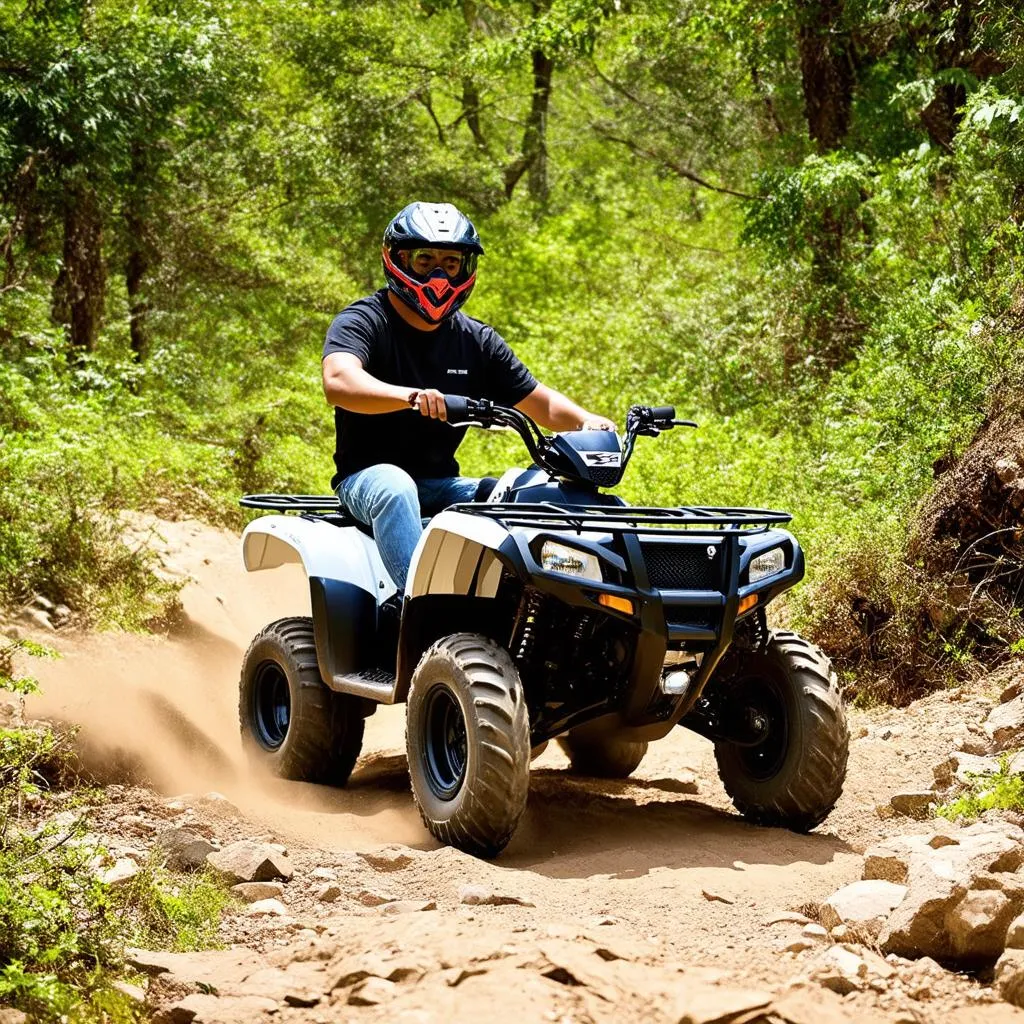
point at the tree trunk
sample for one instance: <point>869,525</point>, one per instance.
<point>80,287</point>
<point>534,153</point>
<point>136,267</point>
<point>826,71</point>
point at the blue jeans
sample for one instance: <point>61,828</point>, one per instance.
<point>388,499</point>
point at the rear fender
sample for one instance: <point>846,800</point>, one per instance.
<point>346,582</point>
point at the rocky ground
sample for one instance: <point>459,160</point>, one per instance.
<point>648,899</point>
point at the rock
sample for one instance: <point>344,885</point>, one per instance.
<point>8,1015</point>
<point>1005,724</point>
<point>1009,976</point>
<point>960,768</point>
<point>840,970</point>
<point>786,917</point>
<point>914,803</point>
<point>266,908</point>
<point>799,945</point>
<point>253,891</point>
<point>324,874</point>
<point>814,932</point>
<point>483,896</point>
<point>136,993</point>
<point>863,906</point>
<point>183,849</point>
<point>220,804</point>
<point>38,618</point>
<point>372,899</point>
<point>918,925</point>
<point>248,861</point>
<point>406,907</point>
<point>61,614</point>
<point>977,925</point>
<point>328,893</point>
<point>1015,933</point>
<point>42,602</point>
<point>372,992</point>
<point>975,745</point>
<point>124,870</point>
<point>1015,689</point>
<point>388,858</point>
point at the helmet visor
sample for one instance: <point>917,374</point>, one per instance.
<point>422,262</point>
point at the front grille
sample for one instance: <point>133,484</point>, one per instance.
<point>604,477</point>
<point>683,566</point>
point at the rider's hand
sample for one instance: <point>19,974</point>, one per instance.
<point>591,422</point>
<point>430,402</point>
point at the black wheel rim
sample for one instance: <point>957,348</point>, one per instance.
<point>764,709</point>
<point>271,705</point>
<point>444,743</point>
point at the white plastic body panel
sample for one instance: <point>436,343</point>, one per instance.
<point>454,550</point>
<point>333,552</point>
<point>503,488</point>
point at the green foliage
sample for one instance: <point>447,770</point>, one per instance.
<point>63,930</point>
<point>1002,791</point>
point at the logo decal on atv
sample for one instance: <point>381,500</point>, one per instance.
<point>711,549</point>
<point>601,458</point>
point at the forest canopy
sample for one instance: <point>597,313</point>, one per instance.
<point>799,221</point>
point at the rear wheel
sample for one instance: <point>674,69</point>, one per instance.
<point>605,758</point>
<point>468,743</point>
<point>292,724</point>
<point>790,772</point>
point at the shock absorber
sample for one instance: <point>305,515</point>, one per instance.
<point>528,629</point>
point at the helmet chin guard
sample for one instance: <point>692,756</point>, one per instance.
<point>436,296</point>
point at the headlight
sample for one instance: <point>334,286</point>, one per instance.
<point>767,564</point>
<point>555,557</point>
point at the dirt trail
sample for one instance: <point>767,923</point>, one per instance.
<point>663,854</point>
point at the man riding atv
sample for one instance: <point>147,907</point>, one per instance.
<point>398,352</point>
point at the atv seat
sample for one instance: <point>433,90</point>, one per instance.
<point>344,518</point>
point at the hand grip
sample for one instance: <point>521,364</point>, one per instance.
<point>663,412</point>
<point>457,408</point>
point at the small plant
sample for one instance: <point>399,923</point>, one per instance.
<point>1002,791</point>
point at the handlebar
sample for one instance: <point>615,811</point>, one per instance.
<point>641,419</point>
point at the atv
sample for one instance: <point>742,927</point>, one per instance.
<point>550,609</point>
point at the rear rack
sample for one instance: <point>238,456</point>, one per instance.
<point>305,503</point>
<point>629,519</point>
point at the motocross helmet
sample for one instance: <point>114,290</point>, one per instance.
<point>437,293</point>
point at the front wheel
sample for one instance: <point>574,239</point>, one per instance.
<point>468,743</point>
<point>791,770</point>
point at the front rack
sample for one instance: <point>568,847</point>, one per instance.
<point>629,519</point>
<point>542,515</point>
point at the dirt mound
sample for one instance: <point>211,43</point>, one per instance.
<point>969,538</point>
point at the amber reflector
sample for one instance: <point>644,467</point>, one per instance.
<point>620,604</point>
<point>746,603</point>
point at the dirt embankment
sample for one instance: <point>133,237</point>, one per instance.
<point>659,869</point>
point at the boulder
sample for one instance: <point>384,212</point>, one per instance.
<point>253,891</point>
<point>1009,976</point>
<point>917,927</point>
<point>372,992</point>
<point>1015,933</point>
<point>840,970</point>
<point>914,803</point>
<point>1005,724</point>
<point>406,907</point>
<point>248,861</point>
<point>863,906</point>
<point>960,768</point>
<point>977,925</point>
<point>124,870</point>
<point>182,849</point>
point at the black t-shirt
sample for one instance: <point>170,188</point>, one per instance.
<point>462,357</point>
